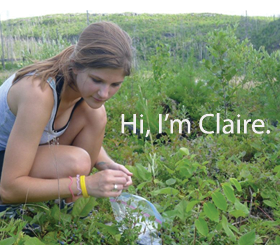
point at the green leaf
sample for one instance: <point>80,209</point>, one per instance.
<point>133,170</point>
<point>210,82</point>
<point>83,206</point>
<point>211,211</point>
<point>67,218</point>
<point>139,172</point>
<point>207,64</point>
<point>183,162</point>
<point>32,241</point>
<point>170,214</point>
<point>238,213</point>
<point>184,151</point>
<point>201,226</point>
<point>215,69</point>
<point>229,192</point>
<point>8,241</point>
<point>143,173</point>
<point>55,213</point>
<point>233,228</point>
<point>2,213</point>
<point>170,171</point>
<point>242,207</point>
<point>219,201</point>
<point>248,239</point>
<point>185,172</point>
<point>270,224</point>
<point>257,146</point>
<point>227,229</point>
<point>112,230</point>
<point>167,190</point>
<point>235,183</point>
<point>266,194</point>
<point>50,237</point>
<point>118,237</point>
<point>219,227</point>
<point>270,203</point>
<point>170,181</point>
<point>181,210</point>
<point>190,205</point>
<point>276,169</point>
<point>140,186</point>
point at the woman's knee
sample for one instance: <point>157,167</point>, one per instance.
<point>79,162</point>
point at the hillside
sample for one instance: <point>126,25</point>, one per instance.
<point>183,32</point>
<point>268,36</point>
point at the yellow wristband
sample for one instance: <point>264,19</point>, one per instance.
<point>83,186</point>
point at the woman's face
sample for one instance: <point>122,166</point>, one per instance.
<point>96,86</point>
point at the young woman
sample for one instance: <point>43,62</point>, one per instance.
<point>61,99</point>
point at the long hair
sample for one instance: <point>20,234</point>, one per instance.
<point>101,45</point>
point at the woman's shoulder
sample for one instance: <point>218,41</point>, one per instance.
<point>32,86</point>
<point>31,91</point>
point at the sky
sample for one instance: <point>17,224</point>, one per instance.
<point>11,9</point>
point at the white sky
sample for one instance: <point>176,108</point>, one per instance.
<point>10,9</point>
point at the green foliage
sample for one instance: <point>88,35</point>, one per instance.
<point>83,206</point>
<point>159,62</point>
<point>271,30</point>
<point>221,43</point>
<point>269,85</point>
<point>189,91</point>
<point>247,239</point>
<point>210,189</point>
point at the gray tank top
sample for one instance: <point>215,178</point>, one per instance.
<point>7,118</point>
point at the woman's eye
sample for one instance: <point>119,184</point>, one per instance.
<point>116,84</point>
<point>96,81</point>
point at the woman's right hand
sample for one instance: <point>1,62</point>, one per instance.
<point>101,184</point>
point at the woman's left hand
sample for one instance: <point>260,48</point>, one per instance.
<point>116,166</point>
<point>125,170</point>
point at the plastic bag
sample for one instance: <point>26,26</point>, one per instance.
<point>125,202</point>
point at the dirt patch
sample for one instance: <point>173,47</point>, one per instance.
<point>240,81</point>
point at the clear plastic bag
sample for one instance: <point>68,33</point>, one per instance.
<point>126,202</point>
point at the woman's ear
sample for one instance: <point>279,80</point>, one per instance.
<point>75,70</point>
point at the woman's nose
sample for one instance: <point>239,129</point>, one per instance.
<point>103,92</point>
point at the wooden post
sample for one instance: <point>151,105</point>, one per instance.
<point>246,25</point>
<point>2,42</point>
<point>87,18</point>
<point>10,41</point>
<point>57,36</point>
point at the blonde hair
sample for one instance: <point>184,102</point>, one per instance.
<point>101,45</point>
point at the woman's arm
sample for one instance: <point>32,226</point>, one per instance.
<point>32,105</point>
<point>105,162</point>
